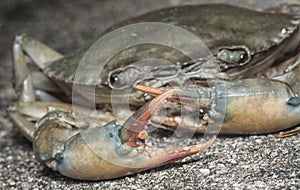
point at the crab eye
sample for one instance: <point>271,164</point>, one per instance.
<point>121,79</point>
<point>242,57</point>
<point>234,56</point>
<point>114,78</point>
<point>115,81</point>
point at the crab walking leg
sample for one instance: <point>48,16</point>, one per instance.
<point>38,52</point>
<point>24,115</point>
<point>85,150</point>
<point>26,127</point>
<point>28,84</point>
<point>248,106</point>
<point>23,81</point>
<point>26,81</point>
<point>289,133</point>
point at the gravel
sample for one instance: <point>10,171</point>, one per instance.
<point>233,162</point>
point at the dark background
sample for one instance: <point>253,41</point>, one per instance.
<point>241,162</point>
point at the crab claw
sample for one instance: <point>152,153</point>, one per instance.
<point>133,135</point>
<point>68,145</point>
<point>196,97</point>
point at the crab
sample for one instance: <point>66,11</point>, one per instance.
<point>252,67</point>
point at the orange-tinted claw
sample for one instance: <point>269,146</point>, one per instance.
<point>153,157</point>
<point>137,122</point>
<point>150,90</point>
<point>133,134</point>
<point>183,152</point>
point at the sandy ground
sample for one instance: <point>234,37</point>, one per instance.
<point>237,162</point>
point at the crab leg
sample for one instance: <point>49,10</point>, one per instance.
<point>289,133</point>
<point>29,84</point>
<point>25,114</point>
<point>23,81</point>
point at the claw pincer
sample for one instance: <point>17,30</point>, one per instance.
<point>248,106</point>
<point>78,148</point>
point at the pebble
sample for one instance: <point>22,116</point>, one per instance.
<point>205,172</point>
